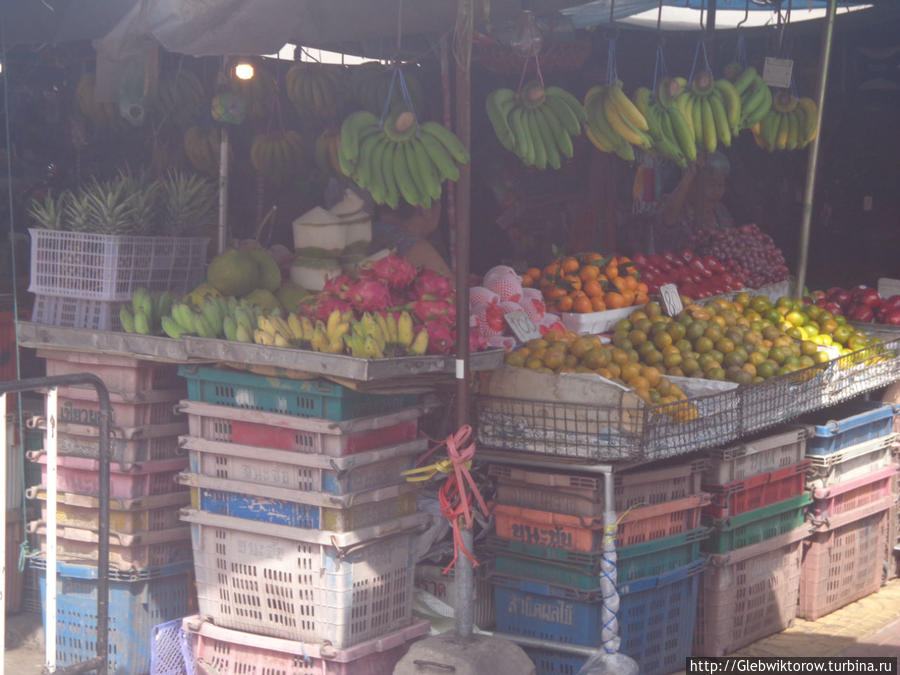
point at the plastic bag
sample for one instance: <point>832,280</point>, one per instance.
<point>610,664</point>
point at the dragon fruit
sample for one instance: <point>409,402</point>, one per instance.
<point>394,271</point>
<point>431,310</point>
<point>441,338</point>
<point>339,286</point>
<point>370,295</point>
<point>433,284</point>
<point>328,303</point>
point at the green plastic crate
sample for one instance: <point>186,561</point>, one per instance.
<point>758,525</point>
<point>300,398</point>
<point>582,570</point>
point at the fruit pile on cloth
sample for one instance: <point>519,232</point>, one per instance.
<point>501,292</point>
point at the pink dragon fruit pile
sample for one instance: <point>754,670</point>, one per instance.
<point>501,293</point>
<point>392,285</point>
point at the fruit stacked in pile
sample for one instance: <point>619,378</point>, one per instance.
<point>537,124</point>
<point>399,158</point>
<point>591,282</point>
<point>861,304</point>
<point>747,252</point>
<point>696,277</point>
<point>792,123</point>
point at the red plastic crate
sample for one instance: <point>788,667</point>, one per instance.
<point>575,533</point>
<point>122,375</point>
<point>843,564</point>
<point>840,501</point>
<point>80,475</point>
<point>756,492</point>
<point>221,650</point>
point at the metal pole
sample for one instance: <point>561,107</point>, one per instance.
<point>610,609</point>
<point>50,574</point>
<point>813,163</point>
<point>465,13</point>
<point>4,444</point>
<point>223,191</point>
<point>711,17</point>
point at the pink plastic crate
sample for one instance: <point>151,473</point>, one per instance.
<point>756,492</point>
<point>841,500</point>
<point>128,445</point>
<point>309,435</point>
<point>843,564</point>
<point>748,593</point>
<point>229,652</point>
<point>80,406</point>
<point>80,475</point>
<point>121,375</point>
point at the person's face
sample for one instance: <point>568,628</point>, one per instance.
<point>424,221</point>
<point>714,186</point>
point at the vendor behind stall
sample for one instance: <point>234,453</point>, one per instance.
<point>406,230</point>
<point>696,202</point>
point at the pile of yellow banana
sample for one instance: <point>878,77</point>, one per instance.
<point>791,123</point>
<point>315,89</point>
<point>537,124</point>
<point>400,158</point>
<point>203,148</point>
<point>377,336</point>
<point>277,156</point>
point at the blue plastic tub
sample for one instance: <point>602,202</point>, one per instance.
<point>848,424</point>
<point>656,619</point>
<point>301,398</point>
<point>135,607</point>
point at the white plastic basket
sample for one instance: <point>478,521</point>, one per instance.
<point>112,267</point>
<point>77,312</point>
<point>754,457</point>
<point>277,581</point>
<point>849,463</point>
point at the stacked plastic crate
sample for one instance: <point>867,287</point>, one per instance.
<point>548,553</point>
<point>758,518</point>
<point>302,524</point>
<point>150,549</point>
<point>851,482</point>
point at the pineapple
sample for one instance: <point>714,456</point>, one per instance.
<point>188,204</point>
<point>50,214</point>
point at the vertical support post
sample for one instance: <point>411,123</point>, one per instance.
<point>103,533</point>
<point>223,191</point>
<point>4,443</point>
<point>447,119</point>
<point>50,572</point>
<point>812,166</point>
<point>609,633</point>
<point>711,17</point>
<point>465,13</point>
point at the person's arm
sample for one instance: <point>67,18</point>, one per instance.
<point>673,207</point>
<point>425,255</point>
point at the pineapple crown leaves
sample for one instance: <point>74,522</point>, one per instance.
<point>50,213</point>
<point>189,203</point>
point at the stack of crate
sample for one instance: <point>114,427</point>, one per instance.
<point>851,482</point>
<point>548,554</point>
<point>302,522</point>
<point>757,512</point>
<point>150,549</point>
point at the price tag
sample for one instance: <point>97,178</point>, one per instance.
<point>521,326</point>
<point>671,300</point>
<point>777,72</point>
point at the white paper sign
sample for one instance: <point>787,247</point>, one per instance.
<point>777,72</point>
<point>671,300</point>
<point>521,326</point>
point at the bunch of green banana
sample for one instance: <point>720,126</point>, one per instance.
<point>207,321</point>
<point>400,159</point>
<point>203,149</point>
<point>316,89</point>
<point>377,336</point>
<point>713,110</point>
<point>614,123</point>
<point>790,124</point>
<point>756,97</point>
<point>143,315</point>
<point>662,130</point>
<point>277,155</point>
<point>537,124</point>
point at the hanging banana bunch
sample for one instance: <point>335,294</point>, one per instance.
<point>538,124</point>
<point>755,95</point>
<point>399,158</point>
<point>181,98</point>
<point>203,148</point>
<point>102,114</point>
<point>713,110</point>
<point>326,151</point>
<point>315,89</point>
<point>790,124</point>
<point>614,123</point>
<point>661,129</point>
<point>277,155</point>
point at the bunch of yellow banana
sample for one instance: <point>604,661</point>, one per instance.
<point>614,122</point>
<point>790,124</point>
<point>260,91</point>
<point>277,156</point>
<point>371,82</point>
<point>275,331</point>
<point>713,110</point>
<point>538,124</point>
<point>756,97</point>
<point>400,159</point>
<point>101,113</point>
<point>316,89</point>
<point>378,336</point>
<point>143,315</point>
<point>326,151</point>
<point>181,98</point>
<point>203,148</point>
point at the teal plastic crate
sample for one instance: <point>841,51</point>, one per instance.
<point>582,570</point>
<point>758,525</point>
<point>301,398</point>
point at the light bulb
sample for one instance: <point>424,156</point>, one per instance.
<point>244,71</point>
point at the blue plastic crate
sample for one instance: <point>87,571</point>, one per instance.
<point>135,607</point>
<point>301,398</point>
<point>168,655</point>
<point>656,619</point>
<point>848,424</point>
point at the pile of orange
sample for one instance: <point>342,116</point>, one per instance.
<point>588,283</point>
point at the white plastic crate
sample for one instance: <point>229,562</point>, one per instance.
<point>122,375</point>
<point>112,267</point>
<point>56,310</point>
<point>277,581</point>
<point>851,463</point>
<point>754,457</point>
